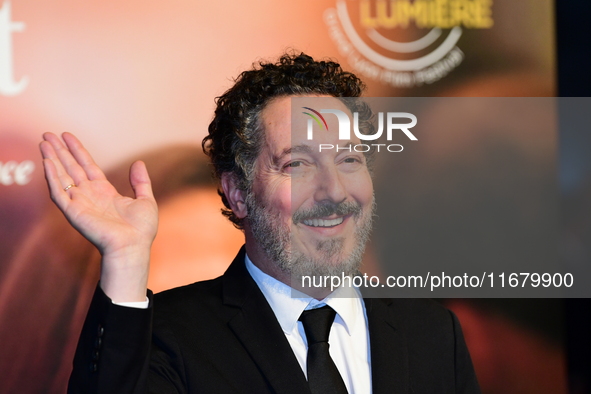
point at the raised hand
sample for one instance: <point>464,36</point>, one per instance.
<point>122,228</point>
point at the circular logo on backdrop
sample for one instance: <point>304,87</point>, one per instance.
<point>405,43</point>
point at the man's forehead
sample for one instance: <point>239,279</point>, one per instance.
<point>288,108</point>
<point>285,124</point>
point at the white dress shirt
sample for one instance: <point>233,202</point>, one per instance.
<point>349,337</point>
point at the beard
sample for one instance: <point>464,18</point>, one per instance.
<point>274,237</point>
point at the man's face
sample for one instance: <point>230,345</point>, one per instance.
<point>309,211</point>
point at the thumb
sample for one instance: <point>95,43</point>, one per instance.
<point>140,181</point>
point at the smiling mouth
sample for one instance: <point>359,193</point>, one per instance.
<point>324,222</point>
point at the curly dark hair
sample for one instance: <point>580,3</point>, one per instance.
<point>235,133</point>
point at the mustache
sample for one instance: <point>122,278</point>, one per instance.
<point>327,208</point>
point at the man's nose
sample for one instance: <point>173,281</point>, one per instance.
<point>330,185</point>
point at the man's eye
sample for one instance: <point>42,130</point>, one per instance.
<point>294,164</point>
<point>352,160</point>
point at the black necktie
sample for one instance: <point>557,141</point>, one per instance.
<point>323,375</point>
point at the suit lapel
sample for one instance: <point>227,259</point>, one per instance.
<point>255,325</point>
<point>389,353</point>
<point>257,328</point>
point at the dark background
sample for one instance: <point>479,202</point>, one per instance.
<point>574,80</point>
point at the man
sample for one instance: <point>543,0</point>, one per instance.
<point>302,212</point>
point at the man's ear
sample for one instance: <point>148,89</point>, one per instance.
<point>235,196</point>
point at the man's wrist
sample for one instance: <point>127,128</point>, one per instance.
<point>124,278</point>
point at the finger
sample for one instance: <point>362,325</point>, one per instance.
<point>58,173</point>
<point>83,158</point>
<point>64,161</point>
<point>57,193</point>
<point>140,181</point>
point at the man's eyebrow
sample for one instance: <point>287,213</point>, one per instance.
<point>290,150</point>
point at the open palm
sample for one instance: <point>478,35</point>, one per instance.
<point>122,228</point>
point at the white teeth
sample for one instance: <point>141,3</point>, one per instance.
<point>323,222</point>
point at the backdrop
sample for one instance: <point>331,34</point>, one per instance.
<point>137,79</point>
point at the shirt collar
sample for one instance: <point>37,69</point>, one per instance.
<point>288,304</point>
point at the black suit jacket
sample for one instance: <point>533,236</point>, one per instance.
<point>221,336</point>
